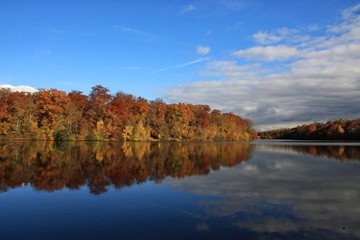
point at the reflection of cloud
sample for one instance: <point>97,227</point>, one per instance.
<point>252,169</point>
<point>202,227</point>
<point>290,193</point>
<point>266,224</point>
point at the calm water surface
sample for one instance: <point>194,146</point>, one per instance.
<point>96,190</point>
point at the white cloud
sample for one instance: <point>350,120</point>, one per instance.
<point>202,50</point>
<point>230,70</point>
<point>268,53</point>
<point>188,8</point>
<point>284,34</point>
<point>180,65</point>
<point>317,80</point>
<point>266,38</point>
<point>19,88</point>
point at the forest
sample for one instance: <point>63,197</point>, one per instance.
<point>342,129</point>
<point>51,114</point>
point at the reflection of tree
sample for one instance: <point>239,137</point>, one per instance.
<point>282,194</point>
<point>47,166</point>
<point>343,153</point>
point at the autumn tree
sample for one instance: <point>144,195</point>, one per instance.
<point>97,112</point>
<point>156,118</point>
<point>337,130</point>
<point>6,120</point>
<point>56,115</point>
<point>80,102</point>
<point>52,112</point>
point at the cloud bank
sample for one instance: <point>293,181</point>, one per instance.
<point>292,78</point>
<point>19,88</point>
<point>269,53</point>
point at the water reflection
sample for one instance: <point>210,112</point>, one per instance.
<point>235,190</point>
<point>340,152</point>
<point>285,195</point>
<point>48,166</point>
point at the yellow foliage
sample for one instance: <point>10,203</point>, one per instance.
<point>127,132</point>
<point>340,130</point>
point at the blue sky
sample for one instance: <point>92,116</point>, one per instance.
<point>275,62</point>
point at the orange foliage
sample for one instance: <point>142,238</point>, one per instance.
<point>338,130</point>
<point>53,114</point>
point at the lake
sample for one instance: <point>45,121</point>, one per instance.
<point>141,190</point>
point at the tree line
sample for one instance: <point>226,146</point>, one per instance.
<point>56,115</point>
<point>342,129</point>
